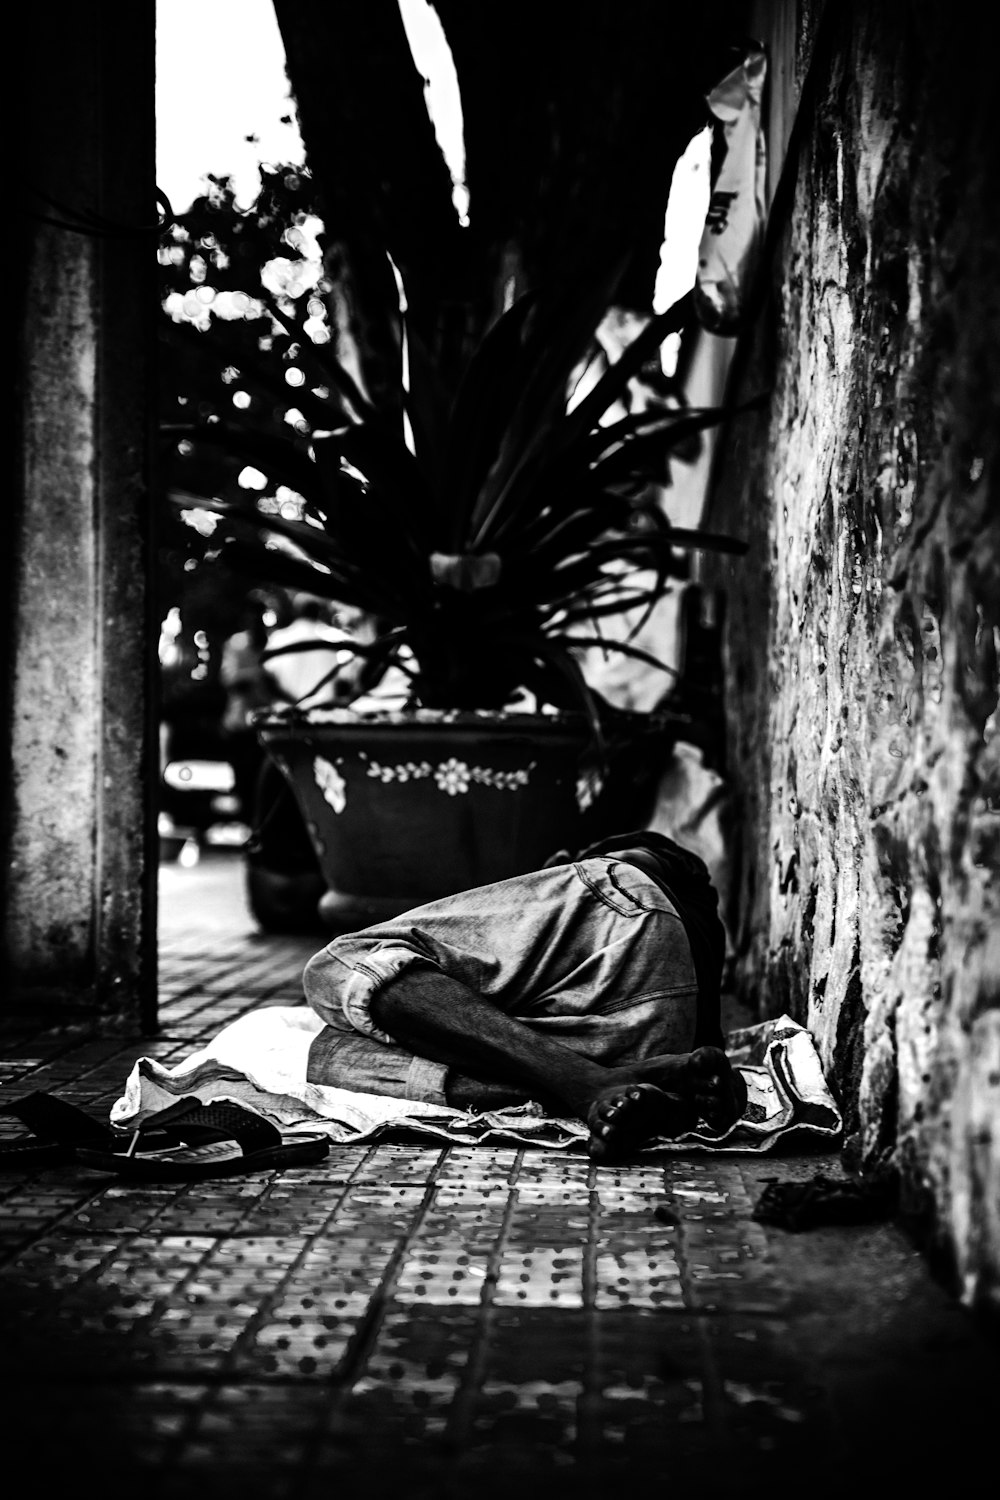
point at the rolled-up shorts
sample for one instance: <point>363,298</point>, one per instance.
<point>593,954</point>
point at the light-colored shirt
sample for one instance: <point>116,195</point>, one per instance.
<point>301,675</point>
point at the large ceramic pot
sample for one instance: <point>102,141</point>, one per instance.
<point>404,808</point>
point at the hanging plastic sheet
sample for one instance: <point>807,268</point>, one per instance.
<point>734,227</point>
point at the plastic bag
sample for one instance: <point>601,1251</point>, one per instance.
<point>734,227</point>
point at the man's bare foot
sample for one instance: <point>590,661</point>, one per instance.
<point>664,1096</point>
<point>705,1078</point>
<point>626,1116</point>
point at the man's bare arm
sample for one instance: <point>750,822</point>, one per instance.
<point>440,1018</point>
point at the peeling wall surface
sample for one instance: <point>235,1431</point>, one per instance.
<point>863,625</point>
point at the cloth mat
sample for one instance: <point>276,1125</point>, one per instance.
<point>260,1061</point>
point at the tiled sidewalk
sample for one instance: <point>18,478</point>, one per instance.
<point>416,1320</point>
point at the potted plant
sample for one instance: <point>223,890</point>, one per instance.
<point>491,535</point>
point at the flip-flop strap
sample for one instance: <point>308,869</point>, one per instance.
<point>249,1131</point>
<point>55,1120</point>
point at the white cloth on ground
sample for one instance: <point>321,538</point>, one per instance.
<point>260,1061</point>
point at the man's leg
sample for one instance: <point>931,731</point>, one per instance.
<point>498,1059</point>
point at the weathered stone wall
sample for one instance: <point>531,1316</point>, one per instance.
<point>864,626</point>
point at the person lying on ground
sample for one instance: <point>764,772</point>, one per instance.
<point>591,986</point>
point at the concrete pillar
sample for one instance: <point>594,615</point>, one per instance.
<point>78,831</point>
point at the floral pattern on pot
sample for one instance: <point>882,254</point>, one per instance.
<point>452,776</point>
<point>330,783</point>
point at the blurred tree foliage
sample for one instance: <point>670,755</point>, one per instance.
<point>243,327</point>
<point>243,322</point>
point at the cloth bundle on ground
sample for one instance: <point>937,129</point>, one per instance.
<point>260,1061</point>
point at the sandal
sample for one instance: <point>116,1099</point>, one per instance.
<point>207,1140</point>
<point>58,1130</point>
